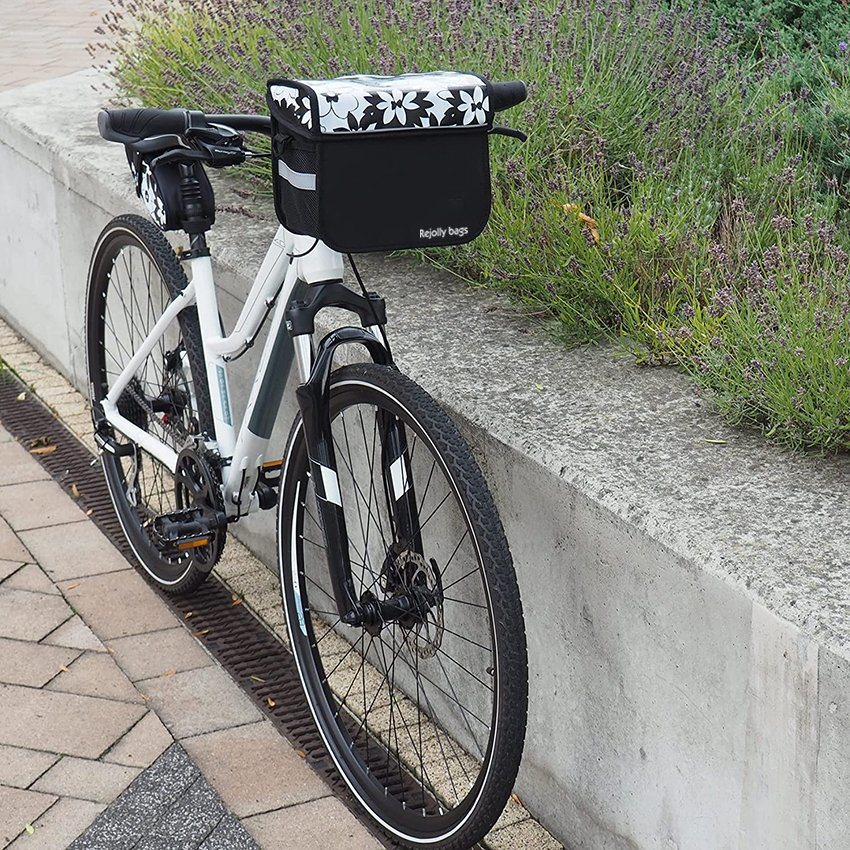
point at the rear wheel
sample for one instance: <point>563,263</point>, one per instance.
<point>134,275</point>
<point>424,716</point>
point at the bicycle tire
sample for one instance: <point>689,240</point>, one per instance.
<point>465,824</point>
<point>132,233</point>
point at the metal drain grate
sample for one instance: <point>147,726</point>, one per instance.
<point>230,632</point>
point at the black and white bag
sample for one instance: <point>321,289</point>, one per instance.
<point>159,188</point>
<point>379,163</point>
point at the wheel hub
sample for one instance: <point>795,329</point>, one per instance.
<point>413,598</point>
<point>424,633</point>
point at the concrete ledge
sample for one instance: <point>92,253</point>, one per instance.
<point>686,602</point>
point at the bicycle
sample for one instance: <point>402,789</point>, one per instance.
<point>402,605</point>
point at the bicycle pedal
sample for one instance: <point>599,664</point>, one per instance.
<point>270,467</point>
<point>268,483</point>
<point>107,444</point>
<point>183,530</point>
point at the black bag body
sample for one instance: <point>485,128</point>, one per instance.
<point>158,185</point>
<point>381,163</point>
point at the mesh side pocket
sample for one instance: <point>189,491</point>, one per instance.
<point>295,181</point>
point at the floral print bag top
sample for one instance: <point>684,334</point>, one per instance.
<point>367,104</point>
<point>372,163</point>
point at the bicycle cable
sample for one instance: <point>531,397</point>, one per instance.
<point>371,306</point>
<point>304,254</point>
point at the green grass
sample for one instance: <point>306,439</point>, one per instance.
<point>717,242</point>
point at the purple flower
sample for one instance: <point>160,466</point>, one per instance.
<point>842,46</point>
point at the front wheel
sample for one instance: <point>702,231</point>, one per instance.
<point>424,716</point>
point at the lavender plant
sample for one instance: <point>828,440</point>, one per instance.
<point>666,196</point>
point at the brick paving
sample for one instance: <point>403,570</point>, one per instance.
<point>169,805</point>
<point>98,679</point>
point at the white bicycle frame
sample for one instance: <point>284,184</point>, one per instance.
<point>290,258</point>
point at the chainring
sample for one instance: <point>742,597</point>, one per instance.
<point>197,484</point>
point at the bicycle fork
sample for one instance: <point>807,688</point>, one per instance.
<point>313,397</point>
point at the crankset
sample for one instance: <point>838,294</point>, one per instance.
<point>199,525</point>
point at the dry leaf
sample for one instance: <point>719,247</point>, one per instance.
<point>22,397</point>
<point>64,669</point>
<point>43,450</point>
<point>257,679</point>
<point>75,491</point>
<point>200,633</point>
<point>188,614</point>
<point>90,511</point>
<point>301,754</point>
<point>271,702</point>
<point>72,586</point>
<point>29,828</point>
<point>590,223</point>
<point>235,600</point>
<point>170,673</point>
<point>145,697</point>
<point>716,442</point>
<point>516,799</point>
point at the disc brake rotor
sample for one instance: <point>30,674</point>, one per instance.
<point>425,635</point>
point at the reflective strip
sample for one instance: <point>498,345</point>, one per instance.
<point>331,484</point>
<point>293,563</point>
<point>296,178</point>
<point>398,473</point>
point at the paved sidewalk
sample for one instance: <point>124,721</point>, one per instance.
<point>42,39</point>
<point>98,679</point>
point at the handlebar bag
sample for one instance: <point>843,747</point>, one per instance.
<point>158,185</point>
<point>369,163</point>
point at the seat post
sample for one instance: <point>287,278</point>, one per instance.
<point>197,246</point>
<point>196,218</point>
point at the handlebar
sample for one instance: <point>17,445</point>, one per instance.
<point>505,95</point>
<point>244,123</point>
<point>129,126</point>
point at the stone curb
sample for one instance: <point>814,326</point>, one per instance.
<point>686,598</point>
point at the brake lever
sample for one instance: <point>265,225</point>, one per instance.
<point>179,155</point>
<point>509,131</point>
<point>215,156</point>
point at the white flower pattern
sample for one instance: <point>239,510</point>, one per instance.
<point>395,105</point>
<point>366,103</point>
<point>334,108</point>
<point>290,98</point>
<point>474,106</point>
<point>148,191</point>
<point>152,198</point>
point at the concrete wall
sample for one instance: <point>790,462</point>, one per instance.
<point>686,602</point>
